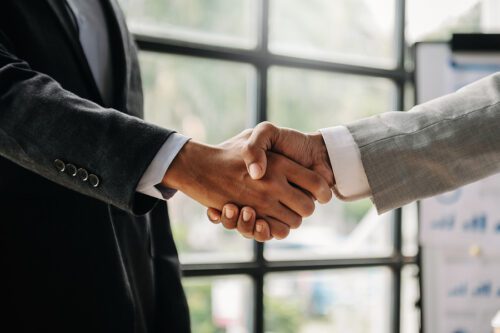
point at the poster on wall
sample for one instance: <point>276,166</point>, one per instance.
<point>459,231</point>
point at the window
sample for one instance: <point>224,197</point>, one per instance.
<point>211,69</point>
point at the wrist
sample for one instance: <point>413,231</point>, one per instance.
<point>184,169</point>
<point>319,149</point>
<point>320,153</point>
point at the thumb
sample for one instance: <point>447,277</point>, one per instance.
<point>261,140</point>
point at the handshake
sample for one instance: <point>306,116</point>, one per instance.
<point>262,182</point>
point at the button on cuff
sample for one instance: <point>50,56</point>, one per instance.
<point>71,169</point>
<point>59,165</point>
<point>82,174</point>
<point>94,180</point>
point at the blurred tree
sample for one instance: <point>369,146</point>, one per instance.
<point>200,308</point>
<point>283,316</point>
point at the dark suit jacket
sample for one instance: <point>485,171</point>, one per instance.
<point>78,258</point>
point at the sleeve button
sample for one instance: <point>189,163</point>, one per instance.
<point>94,180</point>
<point>59,165</point>
<point>82,174</point>
<point>71,169</point>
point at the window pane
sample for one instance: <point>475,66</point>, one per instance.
<point>223,22</point>
<point>220,304</point>
<point>437,20</point>
<point>352,31</point>
<point>410,229</point>
<point>409,101</point>
<point>410,316</point>
<point>448,17</point>
<point>309,100</point>
<point>209,101</point>
<point>343,300</point>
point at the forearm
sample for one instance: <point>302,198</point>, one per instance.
<point>436,147</point>
<point>41,122</point>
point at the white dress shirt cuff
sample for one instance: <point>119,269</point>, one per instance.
<point>345,158</point>
<point>150,183</point>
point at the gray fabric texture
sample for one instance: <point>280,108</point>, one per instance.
<point>435,147</point>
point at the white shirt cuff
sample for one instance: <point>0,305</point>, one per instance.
<point>156,171</point>
<point>345,158</point>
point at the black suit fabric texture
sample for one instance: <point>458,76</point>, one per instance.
<point>81,250</point>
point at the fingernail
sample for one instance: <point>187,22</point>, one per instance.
<point>254,170</point>
<point>259,227</point>
<point>246,215</point>
<point>229,213</point>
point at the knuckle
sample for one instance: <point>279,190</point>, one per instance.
<point>317,183</point>
<point>245,228</point>
<point>230,225</point>
<point>308,208</point>
<point>262,238</point>
<point>266,126</point>
<point>281,232</point>
<point>247,132</point>
<point>247,235</point>
<point>295,222</point>
<point>279,161</point>
<point>247,150</point>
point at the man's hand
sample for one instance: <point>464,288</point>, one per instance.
<point>309,150</point>
<point>244,221</point>
<point>216,175</point>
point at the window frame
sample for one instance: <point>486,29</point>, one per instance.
<point>262,59</point>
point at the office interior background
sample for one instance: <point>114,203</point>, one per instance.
<point>213,68</point>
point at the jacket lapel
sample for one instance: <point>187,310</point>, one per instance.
<point>70,31</point>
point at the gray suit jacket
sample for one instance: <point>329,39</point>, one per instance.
<point>437,146</point>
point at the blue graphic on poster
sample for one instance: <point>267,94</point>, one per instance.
<point>476,224</point>
<point>483,289</point>
<point>458,291</point>
<point>445,223</point>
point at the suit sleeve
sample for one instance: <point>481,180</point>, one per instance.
<point>40,123</point>
<point>436,147</point>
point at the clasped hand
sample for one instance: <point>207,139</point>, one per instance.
<point>308,150</point>
<point>251,171</point>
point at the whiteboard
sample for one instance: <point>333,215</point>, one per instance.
<point>459,231</point>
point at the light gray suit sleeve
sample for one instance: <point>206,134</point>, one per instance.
<point>437,146</point>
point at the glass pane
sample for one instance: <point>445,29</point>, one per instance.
<point>409,101</point>
<point>437,20</point>
<point>334,301</point>
<point>352,31</point>
<point>209,101</point>
<point>410,315</point>
<point>223,22</point>
<point>410,229</point>
<point>309,100</point>
<point>220,304</point>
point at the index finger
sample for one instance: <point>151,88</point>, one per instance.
<point>309,181</point>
